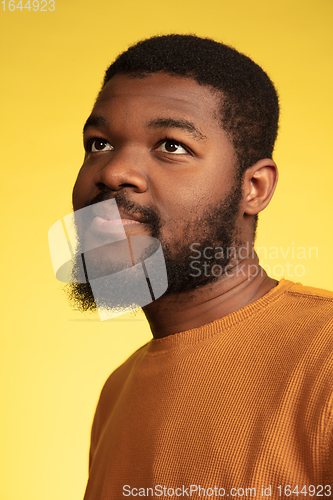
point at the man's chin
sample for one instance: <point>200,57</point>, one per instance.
<point>80,297</point>
<point>113,277</point>
<point>83,299</point>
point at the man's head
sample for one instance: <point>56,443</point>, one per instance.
<point>177,136</point>
<point>248,103</point>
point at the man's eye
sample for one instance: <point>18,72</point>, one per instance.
<point>171,146</point>
<point>100,145</point>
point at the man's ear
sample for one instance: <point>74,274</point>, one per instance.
<point>259,184</point>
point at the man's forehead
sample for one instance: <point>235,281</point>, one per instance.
<point>160,86</point>
<point>170,98</point>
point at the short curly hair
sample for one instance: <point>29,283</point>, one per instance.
<point>249,102</point>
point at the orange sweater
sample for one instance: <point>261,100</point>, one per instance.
<point>243,402</point>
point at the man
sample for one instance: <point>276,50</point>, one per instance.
<point>233,396</point>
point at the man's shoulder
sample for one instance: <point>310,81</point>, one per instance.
<point>119,376</point>
<point>310,292</point>
<point>294,301</point>
<point>310,300</point>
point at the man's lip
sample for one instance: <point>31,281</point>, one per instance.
<point>106,226</point>
<point>103,213</point>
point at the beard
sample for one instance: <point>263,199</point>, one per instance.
<point>215,227</point>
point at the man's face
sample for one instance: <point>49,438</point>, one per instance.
<point>155,145</point>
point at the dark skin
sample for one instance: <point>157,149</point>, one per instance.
<point>158,141</point>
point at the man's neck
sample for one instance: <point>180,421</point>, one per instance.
<point>181,312</point>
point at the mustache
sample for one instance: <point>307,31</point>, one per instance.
<point>148,215</point>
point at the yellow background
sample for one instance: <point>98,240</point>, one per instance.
<point>53,360</point>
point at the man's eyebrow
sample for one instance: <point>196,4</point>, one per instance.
<point>177,123</point>
<point>95,121</point>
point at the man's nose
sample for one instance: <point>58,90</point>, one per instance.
<point>126,168</point>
